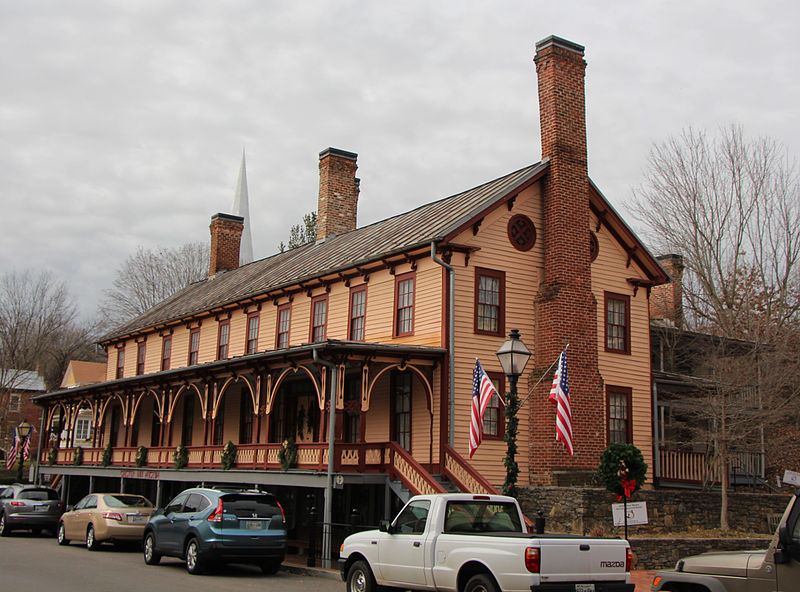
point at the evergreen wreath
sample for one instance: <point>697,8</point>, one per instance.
<point>622,469</point>
<point>108,455</point>
<point>180,457</point>
<point>287,455</point>
<point>77,459</point>
<point>228,456</point>
<point>141,456</point>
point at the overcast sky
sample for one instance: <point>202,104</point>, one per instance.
<point>122,123</point>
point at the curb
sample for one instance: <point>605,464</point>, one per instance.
<point>310,571</point>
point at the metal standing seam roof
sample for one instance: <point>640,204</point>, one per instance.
<point>430,222</point>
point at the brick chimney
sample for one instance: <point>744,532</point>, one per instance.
<point>566,310</point>
<point>226,236</point>
<point>666,300</point>
<point>338,192</point>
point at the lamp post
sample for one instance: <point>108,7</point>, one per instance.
<point>513,356</point>
<point>23,431</point>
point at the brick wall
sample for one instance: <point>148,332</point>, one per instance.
<point>565,309</point>
<point>338,192</point>
<point>666,300</point>
<point>29,411</point>
<point>226,236</point>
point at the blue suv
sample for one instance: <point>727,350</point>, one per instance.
<point>205,526</point>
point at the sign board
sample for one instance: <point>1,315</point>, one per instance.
<point>791,478</point>
<point>637,513</point>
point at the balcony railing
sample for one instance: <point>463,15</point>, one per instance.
<point>688,467</point>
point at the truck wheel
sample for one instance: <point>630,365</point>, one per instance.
<point>481,583</point>
<point>360,578</point>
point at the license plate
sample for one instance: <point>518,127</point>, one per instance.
<point>43,508</point>
<point>584,587</point>
<point>136,519</point>
<point>254,524</point>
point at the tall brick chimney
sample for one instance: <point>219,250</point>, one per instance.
<point>226,236</point>
<point>666,300</point>
<point>566,310</point>
<point>338,192</point>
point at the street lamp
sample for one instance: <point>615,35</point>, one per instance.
<point>513,356</point>
<point>23,431</point>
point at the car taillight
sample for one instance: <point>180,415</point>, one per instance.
<point>17,503</point>
<point>112,516</point>
<point>216,515</point>
<point>283,515</point>
<point>60,505</point>
<point>532,559</point>
<point>628,559</point>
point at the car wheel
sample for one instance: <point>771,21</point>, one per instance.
<point>91,542</point>
<point>61,534</point>
<point>270,567</point>
<point>151,556</point>
<point>194,563</point>
<point>481,583</point>
<point>360,578</point>
<point>4,528</point>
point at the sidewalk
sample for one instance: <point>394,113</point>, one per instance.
<point>296,564</point>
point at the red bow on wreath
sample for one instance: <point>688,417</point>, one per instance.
<point>628,487</point>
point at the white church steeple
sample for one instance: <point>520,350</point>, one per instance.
<point>241,208</point>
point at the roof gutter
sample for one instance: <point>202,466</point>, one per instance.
<point>451,327</point>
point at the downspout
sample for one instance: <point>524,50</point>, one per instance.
<point>451,328</point>
<point>328,510</point>
<point>38,449</point>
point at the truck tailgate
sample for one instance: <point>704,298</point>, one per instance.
<point>598,559</point>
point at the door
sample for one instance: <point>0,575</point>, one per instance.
<point>168,537</point>
<point>401,554</point>
<point>83,516</point>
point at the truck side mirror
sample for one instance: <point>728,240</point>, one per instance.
<point>385,526</point>
<point>784,540</point>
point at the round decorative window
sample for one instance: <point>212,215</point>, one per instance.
<point>594,246</point>
<point>521,232</point>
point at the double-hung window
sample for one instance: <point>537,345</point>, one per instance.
<point>618,323</point>
<point>404,304</point>
<point>252,333</point>
<point>619,414</point>
<point>490,288</point>
<point>494,417</point>
<point>194,346</point>
<point>319,318</point>
<point>166,352</point>
<point>121,362</point>
<point>140,358</point>
<point>358,312</point>
<point>222,340</point>
<point>284,323</point>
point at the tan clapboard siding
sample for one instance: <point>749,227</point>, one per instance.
<point>522,272</point>
<point>237,336</point>
<point>609,274</point>
<point>209,331</point>
<point>338,310</point>
<point>179,355</point>
<point>152,353</point>
<point>377,419</point>
<point>380,306</point>
<point>143,416</point>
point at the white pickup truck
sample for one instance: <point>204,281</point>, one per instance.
<point>478,543</point>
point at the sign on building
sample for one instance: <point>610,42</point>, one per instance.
<point>791,477</point>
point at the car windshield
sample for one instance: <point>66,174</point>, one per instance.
<point>250,505</point>
<point>126,501</point>
<point>38,494</point>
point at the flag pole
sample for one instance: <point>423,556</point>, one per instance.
<point>538,382</point>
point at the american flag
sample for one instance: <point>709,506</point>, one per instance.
<point>26,446</point>
<point>559,394</point>
<point>12,453</point>
<point>482,391</point>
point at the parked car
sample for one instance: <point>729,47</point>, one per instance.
<point>206,526</point>
<point>100,517</point>
<point>29,507</point>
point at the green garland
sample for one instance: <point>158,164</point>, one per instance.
<point>108,455</point>
<point>510,437</point>
<point>52,456</point>
<point>77,460</point>
<point>180,457</point>
<point>287,455</point>
<point>228,456</point>
<point>622,469</point>
<point>141,456</point>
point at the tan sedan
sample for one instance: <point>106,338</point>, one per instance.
<point>102,517</point>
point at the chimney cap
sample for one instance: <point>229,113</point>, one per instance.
<point>231,217</point>
<point>338,153</point>
<point>559,42</point>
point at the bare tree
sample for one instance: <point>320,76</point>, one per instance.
<point>731,207</point>
<point>303,233</point>
<point>150,276</point>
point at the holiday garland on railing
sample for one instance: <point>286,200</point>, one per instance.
<point>228,458</point>
<point>108,455</point>
<point>180,457</point>
<point>77,459</point>
<point>287,454</point>
<point>141,456</point>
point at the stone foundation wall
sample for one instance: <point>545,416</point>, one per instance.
<point>662,553</point>
<point>580,510</point>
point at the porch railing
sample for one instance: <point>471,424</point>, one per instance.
<point>413,475</point>
<point>688,467</point>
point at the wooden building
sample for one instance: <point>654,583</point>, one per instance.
<point>360,346</point>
